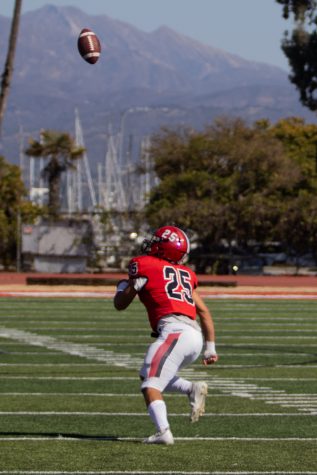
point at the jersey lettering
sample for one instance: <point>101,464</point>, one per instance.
<point>133,269</point>
<point>178,286</point>
<point>169,287</point>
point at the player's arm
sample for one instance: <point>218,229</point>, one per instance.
<point>125,294</point>
<point>207,325</point>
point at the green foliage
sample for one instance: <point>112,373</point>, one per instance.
<point>300,48</point>
<point>12,202</point>
<point>238,183</point>
<point>300,142</point>
<point>61,152</point>
<point>299,8</point>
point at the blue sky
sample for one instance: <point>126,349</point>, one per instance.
<point>252,29</point>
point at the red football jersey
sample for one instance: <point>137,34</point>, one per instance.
<point>168,288</point>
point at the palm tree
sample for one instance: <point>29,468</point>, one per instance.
<point>8,68</point>
<point>61,152</point>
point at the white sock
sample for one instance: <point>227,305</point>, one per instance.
<point>179,385</point>
<point>158,413</point>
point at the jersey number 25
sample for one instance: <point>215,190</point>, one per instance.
<point>178,286</point>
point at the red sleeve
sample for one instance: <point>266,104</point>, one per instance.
<point>135,268</point>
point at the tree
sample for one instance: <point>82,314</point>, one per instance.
<point>231,182</point>
<point>299,224</point>
<point>12,205</point>
<point>216,180</point>
<point>8,68</point>
<point>300,48</point>
<point>298,8</point>
<point>60,151</point>
<point>300,143</point>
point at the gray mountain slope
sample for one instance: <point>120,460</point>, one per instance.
<point>160,78</point>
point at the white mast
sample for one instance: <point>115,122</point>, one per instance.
<point>114,196</point>
<point>80,143</point>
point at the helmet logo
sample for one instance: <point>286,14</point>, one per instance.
<point>170,235</point>
<point>168,242</point>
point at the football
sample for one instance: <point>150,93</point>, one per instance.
<point>89,46</point>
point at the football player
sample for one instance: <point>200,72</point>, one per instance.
<point>168,290</point>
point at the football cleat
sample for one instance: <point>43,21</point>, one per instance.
<point>164,437</point>
<point>197,398</point>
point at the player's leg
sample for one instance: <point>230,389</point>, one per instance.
<point>179,385</point>
<point>152,392</point>
<point>158,413</point>
<point>195,391</point>
<point>171,351</point>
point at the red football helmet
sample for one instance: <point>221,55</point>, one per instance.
<point>168,242</point>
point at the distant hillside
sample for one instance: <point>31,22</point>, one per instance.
<point>162,77</point>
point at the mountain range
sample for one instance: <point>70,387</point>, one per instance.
<point>141,81</point>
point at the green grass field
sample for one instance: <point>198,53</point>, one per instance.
<point>70,400</point>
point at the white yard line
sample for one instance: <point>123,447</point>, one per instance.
<point>305,345</point>
<point>48,394</point>
<point>115,361</point>
<point>138,414</point>
<point>270,337</point>
<point>100,326</point>
<point>233,387</point>
<point>72,378</point>
<point>139,439</point>
<point>56,353</point>
<point>303,399</point>
<point>269,296</point>
<point>116,395</point>
<point>84,351</point>
<point>135,378</point>
<point>290,295</point>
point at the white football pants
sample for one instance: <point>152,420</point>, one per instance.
<point>177,346</point>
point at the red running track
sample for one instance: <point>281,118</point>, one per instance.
<point>14,278</point>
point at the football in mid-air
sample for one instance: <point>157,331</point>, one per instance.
<point>89,46</point>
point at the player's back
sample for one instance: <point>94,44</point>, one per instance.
<point>168,288</point>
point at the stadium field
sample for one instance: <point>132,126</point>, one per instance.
<point>70,401</point>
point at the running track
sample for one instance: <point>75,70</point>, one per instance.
<point>14,284</point>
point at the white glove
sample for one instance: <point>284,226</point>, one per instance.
<point>139,283</point>
<point>210,356</point>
